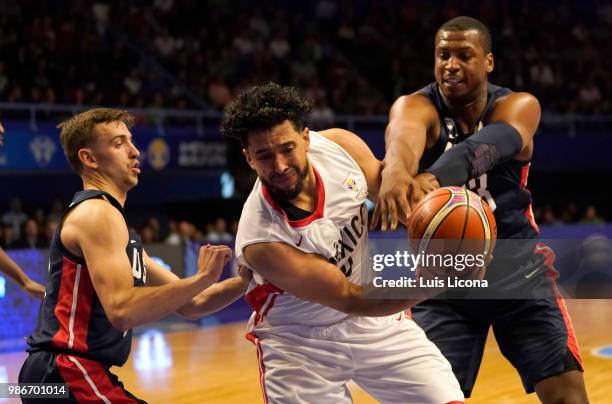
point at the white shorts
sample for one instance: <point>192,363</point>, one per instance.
<point>389,357</point>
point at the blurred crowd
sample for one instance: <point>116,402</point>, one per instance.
<point>21,229</point>
<point>349,56</point>
<point>34,229</point>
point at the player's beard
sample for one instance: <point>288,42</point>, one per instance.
<point>293,192</point>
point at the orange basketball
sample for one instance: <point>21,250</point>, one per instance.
<point>453,220</point>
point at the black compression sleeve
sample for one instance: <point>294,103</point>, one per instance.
<point>476,155</point>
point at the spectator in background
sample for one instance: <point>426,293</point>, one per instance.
<point>153,223</point>
<point>15,216</point>
<point>570,213</point>
<point>173,238</point>
<point>7,236</point>
<point>50,226</point>
<point>549,216</point>
<point>57,207</point>
<point>591,217</point>
<point>39,216</point>
<point>187,231</point>
<point>147,234</point>
<point>217,231</point>
<point>31,237</point>
<point>234,227</point>
<point>590,97</point>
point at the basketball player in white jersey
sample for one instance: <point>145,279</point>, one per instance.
<point>302,232</point>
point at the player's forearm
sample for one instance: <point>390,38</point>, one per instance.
<point>142,305</point>
<point>12,270</point>
<point>360,305</point>
<point>473,157</point>
<point>401,151</point>
<point>215,298</point>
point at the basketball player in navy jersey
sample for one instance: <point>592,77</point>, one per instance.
<point>98,270</point>
<point>462,130</point>
<point>10,267</point>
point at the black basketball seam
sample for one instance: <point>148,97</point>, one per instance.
<point>467,214</point>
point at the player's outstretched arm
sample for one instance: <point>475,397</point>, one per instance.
<point>310,277</point>
<point>97,231</point>
<point>215,298</point>
<point>509,134</point>
<point>13,271</point>
<point>411,118</point>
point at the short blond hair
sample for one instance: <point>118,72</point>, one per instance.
<point>78,131</point>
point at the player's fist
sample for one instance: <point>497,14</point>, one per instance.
<point>211,261</point>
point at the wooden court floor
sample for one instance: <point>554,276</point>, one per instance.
<point>218,365</point>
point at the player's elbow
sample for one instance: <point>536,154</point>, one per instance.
<point>119,320</point>
<point>350,301</point>
<point>189,311</point>
<point>119,316</point>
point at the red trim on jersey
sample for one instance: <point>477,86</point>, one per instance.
<point>525,175</point>
<point>456,402</point>
<point>83,311</point>
<point>552,274</point>
<point>257,299</point>
<point>317,214</point>
<point>262,366</point>
<point>64,311</point>
<point>77,375</point>
<point>529,211</point>
<point>63,306</point>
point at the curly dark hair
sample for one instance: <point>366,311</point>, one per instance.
<point>263,107</point>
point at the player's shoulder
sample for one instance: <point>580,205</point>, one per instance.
<point>352,144</point>
<point>417,98</point>
<point>518,99</point>
<point>96,214</point>
<point>417,105</point>
<point>338,135</point>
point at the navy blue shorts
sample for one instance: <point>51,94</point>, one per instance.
<point>87,380</point>
<point>535,335</point>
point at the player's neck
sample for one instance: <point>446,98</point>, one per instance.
<point>307,199</point>
<point>113,190</point>
<point>468,111</point>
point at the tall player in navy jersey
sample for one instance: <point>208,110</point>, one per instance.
<point>97,270</point>
<point>10,267</point>
<point>462,130</point>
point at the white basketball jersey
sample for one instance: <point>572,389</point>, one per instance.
<point>336,230</point>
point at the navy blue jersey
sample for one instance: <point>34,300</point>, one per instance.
<point>504,187</point>
<point>71,318</point>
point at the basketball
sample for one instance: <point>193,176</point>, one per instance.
<point>453,220</point>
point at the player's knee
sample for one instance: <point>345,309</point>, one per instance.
<point>571,395</point>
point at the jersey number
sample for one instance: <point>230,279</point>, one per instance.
<point>479,185</point>
<point>137,265</point>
